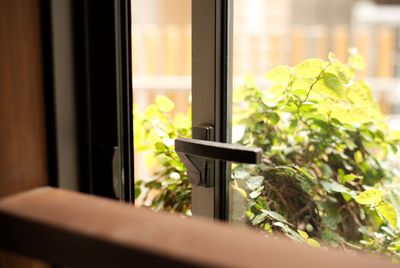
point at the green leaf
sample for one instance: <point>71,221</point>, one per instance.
<point>254,182</point>
<point>164,104</point>
<point>333,186</point>
<point>309,68</point>
<point>160,146</point>
<point>275,216</point>
<point>273,118</point>
<point>259,219</point>
<point>348,178</point>
<point>138,191</point>
<point>388,213</point>
<point>369,197</point>
<point>332,81</point>
<point>343,72</point>
<point>153,184</point>
<point>279,74</point>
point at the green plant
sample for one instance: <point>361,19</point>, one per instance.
<point>329,170</point>
<point>326,171</point>
<point>155,131</point>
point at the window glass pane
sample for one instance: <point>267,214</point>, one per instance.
<point>161,56</point>
<point>316,86</point>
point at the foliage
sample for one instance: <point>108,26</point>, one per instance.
<point>155,131</point>
<point>329,169</point>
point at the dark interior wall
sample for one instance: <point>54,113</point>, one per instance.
<point>23,163</point>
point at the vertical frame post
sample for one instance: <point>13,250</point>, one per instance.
<point>211,101</point>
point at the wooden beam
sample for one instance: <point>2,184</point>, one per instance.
<point>79,230</point>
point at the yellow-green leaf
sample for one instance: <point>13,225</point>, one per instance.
<point>343,72</point>
<point>369,197</point>
<point>279,74</point>
<point>309,68</point>
<point>389,213</point>
<point>303,234</point>
<point>332,81</point>
<point>313,243</point>
<point>164,104</point>
<point>240,191</point>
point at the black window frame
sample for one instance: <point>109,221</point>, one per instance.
<point>100,42</point>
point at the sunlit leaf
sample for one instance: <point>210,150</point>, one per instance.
<point>313,243</point>
<point>309,68</point>
<point>279,74</point>
<point>369,197</point>
<point>388,212</point>
<point>254,182</point>
<point>332,81</point>
<point>240,191</point>
<point>303,234</point>
<point>164,104</point>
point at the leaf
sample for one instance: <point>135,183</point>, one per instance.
<point>138,191</point>
<point>309,68</point>
<point>240,173</point>
<point>259,219</point>
<point>240,191</point>
<point>332,81</point>
<point>369,197</point>
<point>313,243</point>
<point>388,212</point>
<point>164,104</point>
<point>273,118</point>
<point>275,216</point>
<point>254,194</point>
<point>333,186</point>
<point>254,182</point>
<point>153,184</point>
<point>348,178</point>
<point>276,90</point>
<point>160,146</point>
<point>279,74</point>
<point>343,72</point>
<point>303,234</point>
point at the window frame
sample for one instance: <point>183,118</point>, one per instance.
<point>211,84</point>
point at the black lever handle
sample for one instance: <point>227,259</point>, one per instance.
<point>218,150</point>
<point>196,155</point>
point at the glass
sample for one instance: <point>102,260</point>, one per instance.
<point>302,74</point>
<point>161,56</point>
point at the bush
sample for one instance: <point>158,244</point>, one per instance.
<point>329,170</point>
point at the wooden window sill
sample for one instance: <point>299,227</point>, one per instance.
<point>78,230</point>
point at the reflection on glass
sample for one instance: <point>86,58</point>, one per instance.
<point>315,86</point>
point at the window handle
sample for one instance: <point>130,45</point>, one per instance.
<point>218,150</point>
<point>199,155</point>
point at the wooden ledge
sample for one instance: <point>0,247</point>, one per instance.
<point>78,230</point>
